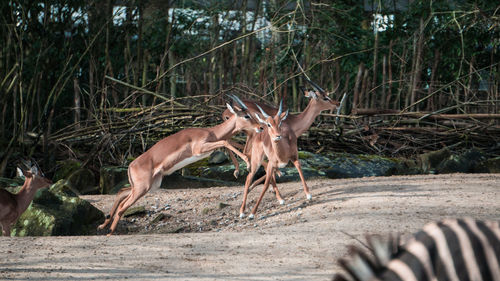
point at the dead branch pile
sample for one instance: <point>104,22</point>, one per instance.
<point>118,134</point>
<point>403,134</point>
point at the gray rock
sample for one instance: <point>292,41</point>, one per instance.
<point>491,165</point>
<point>344,165</point>
<point>135,211</point>
<point>430,161</point>
<point>112,179</point>
<point>65,168</point>
<point>217,157</point>
<point>462,162</point>
<point>83,180</point>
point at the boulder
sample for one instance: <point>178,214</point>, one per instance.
<point>343,165</point>
<point>83,181</point>
<point>225,173</point>
<point>65,168</point>
<point>11,183</point>
<point>112,179</point>
<point>217,157</point>
<point>430,161</point>
<point>462,162</point>
<point>57,211</point>
<point>290,173</point>
<point>176,180</point>
<point>491,165</point>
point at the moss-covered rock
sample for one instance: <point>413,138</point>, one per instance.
<point>65,169</point>
<point>83,180</point>
<point>201,169</point>
<point>344,165</point>
<point>217,157</point>
<point>491,165</point>
<point>430,161</point>
<point>11,183</point>
<point>461,162</point>
<point>112,179</point>
<point>56,211</point>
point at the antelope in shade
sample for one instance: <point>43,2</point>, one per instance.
<point>176,151</point>
<point>12,206</point>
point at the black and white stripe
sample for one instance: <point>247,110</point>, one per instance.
<point>453,249</point>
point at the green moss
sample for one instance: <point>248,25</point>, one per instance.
<point>54,212</point>
<point>11,183</point>
<point>65,168</point>
<point>198,164</point>
<point>305,155</point>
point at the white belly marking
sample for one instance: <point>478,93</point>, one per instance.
<point>282,165</point>
<point>186,162</point>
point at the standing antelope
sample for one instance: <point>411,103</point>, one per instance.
<point>298,123</point>
<point>176,151</point>
<point>279,144</point>
<point>13,205</point>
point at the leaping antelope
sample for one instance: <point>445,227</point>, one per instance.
<point>176,151</point>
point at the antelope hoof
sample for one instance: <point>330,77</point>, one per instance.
<point>236,173</point>
<point>242,215</point>
<point>282,202</point>
<point>251,216</point>
<point>309,197</point>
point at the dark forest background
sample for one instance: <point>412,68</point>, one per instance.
<point>101,81</point>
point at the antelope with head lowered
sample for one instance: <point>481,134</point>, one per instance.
<point>176,151</point>
<point>298,123</point>
<point>13,205</point>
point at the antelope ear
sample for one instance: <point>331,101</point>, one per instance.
<point>19,172</point>
<point>34,170</point>
<point>230,108</point>
<point>311,94</point>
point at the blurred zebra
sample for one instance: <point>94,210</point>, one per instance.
<point>453,249</point>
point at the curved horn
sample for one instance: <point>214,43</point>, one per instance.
<point>238,101</point>
<point>262,111</point>
<point>315,85</point>
<point>280,109</point>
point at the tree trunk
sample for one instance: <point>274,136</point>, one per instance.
<point>356,101</point>
<point>173,74</point>
<point>417,70</point>
<point>76,91</point>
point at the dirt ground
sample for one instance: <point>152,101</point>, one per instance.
<point>195,234</point>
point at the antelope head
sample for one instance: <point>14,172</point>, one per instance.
<point>244,120</point>
<point>33,175</point>
<point>273,123</point>
<point>320,96</point>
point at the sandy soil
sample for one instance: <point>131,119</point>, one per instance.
<point>198,236</point>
